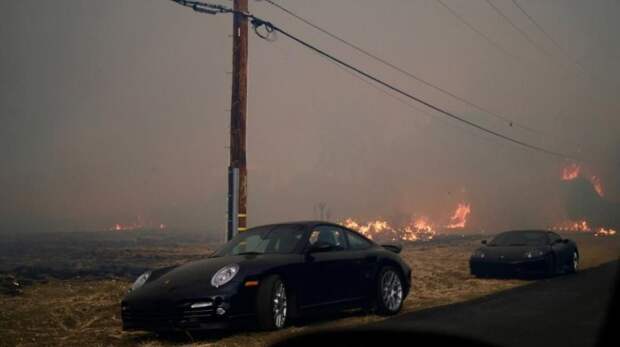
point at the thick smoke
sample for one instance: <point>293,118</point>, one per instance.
<point>583,203</point>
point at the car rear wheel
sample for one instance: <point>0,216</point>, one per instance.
<point>272,303</point>
<point>389,291</point>
<point>574,266</point>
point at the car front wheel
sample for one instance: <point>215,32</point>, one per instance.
<point>390,291</point>
<point>272,303</point>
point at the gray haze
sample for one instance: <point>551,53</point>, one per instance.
<point>116,109</point>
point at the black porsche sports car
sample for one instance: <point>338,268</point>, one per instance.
<point>525,252</point>
<point>270,274</point>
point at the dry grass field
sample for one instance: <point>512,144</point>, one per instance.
<point>86,311</point>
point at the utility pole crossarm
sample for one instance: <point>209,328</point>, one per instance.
<point>203,7</point>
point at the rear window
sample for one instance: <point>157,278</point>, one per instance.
<point>356,242</point>
<point>520,238</point>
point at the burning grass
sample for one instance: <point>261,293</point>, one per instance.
<point>86,312</point>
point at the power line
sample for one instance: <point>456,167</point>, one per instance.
<point>257,23</point>
<point>592,97</point>
<point>582,73</point>
<point>521,31</point>
<point>555,43</point>
<point>492,42</point>
<point>410,96</point>
<point>479,32</point>
<point>399,69</point>
<point>542,30</point>
<point>400,99</point>
<point>395,97</point>
<point>579,66</point>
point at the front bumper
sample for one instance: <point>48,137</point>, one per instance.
<point>214,311</point>
<point>536,266</point>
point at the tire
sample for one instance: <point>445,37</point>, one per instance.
<point>390,292</point>
<point>272,304</point>
<point>574,263</point>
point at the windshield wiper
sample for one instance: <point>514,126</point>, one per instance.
<point>517,244</point>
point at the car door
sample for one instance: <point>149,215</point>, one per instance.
<point>560,249</point>
<point>328,273</point>
<point>363,262</point>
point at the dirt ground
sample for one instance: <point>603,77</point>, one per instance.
<point>86,312</point>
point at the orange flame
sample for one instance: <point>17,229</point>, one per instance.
<point>605,232</point>
<point>598,186</point>
<point>573,226</point>
<point>582,226</point>
<point>373,229</point>
<point>420,228</point>
<point>139,225</point>
<point>126,227</point>
<point>459,218</point>
<point>571,172</point>
<point>382,230</point>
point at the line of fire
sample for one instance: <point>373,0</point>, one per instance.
<point>586,209</point>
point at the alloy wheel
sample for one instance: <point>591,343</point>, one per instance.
<point>575,261</point>
<point>279,305</point>
<point>392,290</point>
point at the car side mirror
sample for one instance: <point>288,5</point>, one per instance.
<point>484,242</point>
<point>320,246</point>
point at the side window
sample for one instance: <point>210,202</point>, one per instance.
<point>357,242</point>
<point>328,234</point>
<point>553,237</point>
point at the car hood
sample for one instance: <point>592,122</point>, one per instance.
<point>509,253</point>
<point>196,276</point>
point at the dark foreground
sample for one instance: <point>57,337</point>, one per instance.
<point>561,311</point>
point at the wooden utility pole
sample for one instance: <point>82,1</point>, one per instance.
<point>237,173</point>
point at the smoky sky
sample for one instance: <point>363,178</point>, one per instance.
<point>112,110</point>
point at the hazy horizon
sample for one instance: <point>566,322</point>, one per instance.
<point>118,109</point>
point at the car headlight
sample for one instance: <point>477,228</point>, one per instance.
<point>141,280</point>
<point>479,254</point>
<point>224,275</point>
<point>533,253</point>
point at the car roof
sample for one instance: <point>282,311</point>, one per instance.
<point>306,223</point>
<point>526,231</point>
<point>309,224</point>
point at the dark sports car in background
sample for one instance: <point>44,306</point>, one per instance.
<point>525,252</point>
<point>270,274</point>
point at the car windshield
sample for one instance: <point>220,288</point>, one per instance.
<point>280,239</point>
<point>520,238</point>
